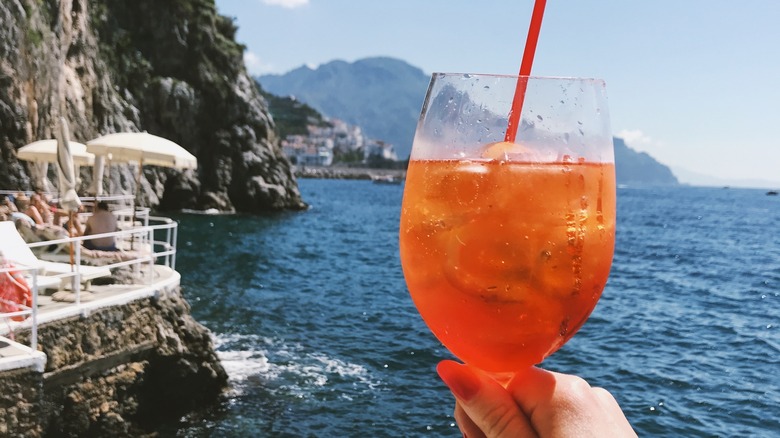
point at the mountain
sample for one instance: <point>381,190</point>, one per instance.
<point>384,97</point>
<point>699,179</point>
<point>638,168</point>
<point>172,68</point>
<point>381,95</point>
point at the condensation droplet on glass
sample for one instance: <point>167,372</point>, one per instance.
<point>540,118</point>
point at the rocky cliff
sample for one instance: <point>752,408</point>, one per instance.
<point>640,169</point>
<point>123,370</point>
<point>171,68</point>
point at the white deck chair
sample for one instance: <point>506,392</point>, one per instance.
<point>16,250</point>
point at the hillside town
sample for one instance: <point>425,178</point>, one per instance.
<point>324,145</point>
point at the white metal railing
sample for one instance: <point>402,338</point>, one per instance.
<point>152,243</point>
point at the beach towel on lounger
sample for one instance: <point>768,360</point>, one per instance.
<point>14,290</point>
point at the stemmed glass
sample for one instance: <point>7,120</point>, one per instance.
<point>506,245</point>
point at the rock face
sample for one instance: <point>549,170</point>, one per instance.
<point>640,169</point>
<point>123,370</point>
<point>171,68</point>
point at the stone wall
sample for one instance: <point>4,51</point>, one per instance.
<point>118,371</point>
<point>318,172</point>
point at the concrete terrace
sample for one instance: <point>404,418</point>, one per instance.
<point>150,273</point>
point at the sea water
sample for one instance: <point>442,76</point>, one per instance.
<point>314,325</point>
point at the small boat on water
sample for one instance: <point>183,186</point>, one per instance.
<point>771,193</point>
<point>386,179</point>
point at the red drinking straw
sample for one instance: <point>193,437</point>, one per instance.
<point>525,70</point>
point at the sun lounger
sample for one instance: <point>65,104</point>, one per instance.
<point>43,281</point>
<point>94,257</point>
<point>16,251</point>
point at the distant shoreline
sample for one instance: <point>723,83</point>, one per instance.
<point>318,172</point>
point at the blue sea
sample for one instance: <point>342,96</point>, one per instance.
<point>314,325</point>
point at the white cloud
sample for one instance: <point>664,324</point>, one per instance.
<point>636,139</point>
<point>254,65</point>
<point>289,4</point>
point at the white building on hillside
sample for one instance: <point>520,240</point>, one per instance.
<point>380,148</point>
<point>319,147</point>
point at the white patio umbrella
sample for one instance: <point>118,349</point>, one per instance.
<point>142,148</point>
<point>43,152</point>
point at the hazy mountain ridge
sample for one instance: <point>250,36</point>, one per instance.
<point>384,97</point>
<point>639,168</point>
<point>698,179</point>
<point>381,95</point>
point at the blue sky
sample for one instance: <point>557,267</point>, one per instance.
<point>695,83</point>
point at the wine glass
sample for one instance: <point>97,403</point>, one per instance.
<point>506,245</point>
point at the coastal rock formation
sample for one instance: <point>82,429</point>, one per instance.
<point>171,68</point>
<point>640,169</point>
<point>122,370</point>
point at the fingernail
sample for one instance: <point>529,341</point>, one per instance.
<point>459,378</point>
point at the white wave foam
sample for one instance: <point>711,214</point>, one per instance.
<point>240,365</point>
<point>298,371</point>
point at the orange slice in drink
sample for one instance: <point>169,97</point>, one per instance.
<point>504,150</point>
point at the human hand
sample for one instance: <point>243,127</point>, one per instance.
<point>535,403</point>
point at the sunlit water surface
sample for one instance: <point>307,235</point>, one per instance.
<point>313,323</point>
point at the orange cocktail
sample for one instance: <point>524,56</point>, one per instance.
<point>506,260</point>
<point>507,235</point>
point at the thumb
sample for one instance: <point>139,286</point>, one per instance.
<point>484,401</point>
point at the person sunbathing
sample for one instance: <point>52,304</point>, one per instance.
<point>24,205</point>
<point>101,221</point>
<point>43,208</point>
<point>33,228</point>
